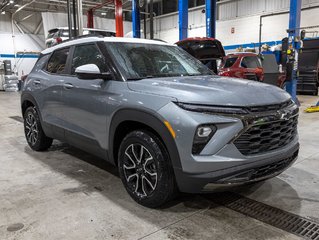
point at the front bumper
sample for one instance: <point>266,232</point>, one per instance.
<point>221,162</point>
<point>238,175</point>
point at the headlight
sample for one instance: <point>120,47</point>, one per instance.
<point>211,109</point>
<point>202,136</point>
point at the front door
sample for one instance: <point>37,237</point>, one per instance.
<point>85,103</point>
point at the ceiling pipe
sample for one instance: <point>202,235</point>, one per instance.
<point>37,30</point>
<point>18,27</point>
<point>75,32</point>
<point>119,18</point>
<point>68,7</point>
<point>25,18</point>
<point>88,5</point>
<point>80,17</point>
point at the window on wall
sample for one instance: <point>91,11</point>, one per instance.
<point>57,62</point>
<point>88,54</point>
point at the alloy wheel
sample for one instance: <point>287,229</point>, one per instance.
<point>32,131</point>
<point>140,170</point>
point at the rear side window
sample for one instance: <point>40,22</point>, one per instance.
<point>57,62</point>
<point>250,62</point>
<point>88,54</point>
<point>230,62</point>
<point>64,33</point>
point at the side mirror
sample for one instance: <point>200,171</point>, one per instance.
<point>91,72</point>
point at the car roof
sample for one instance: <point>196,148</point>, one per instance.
<point>105,39</point>
<point>92,29</point>
<point>241,54</point>
<point>197,39</point>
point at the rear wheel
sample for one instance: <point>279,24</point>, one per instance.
<point>34,134</point>
<point>145,169</point>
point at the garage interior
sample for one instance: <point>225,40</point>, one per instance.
<point>66,193</point>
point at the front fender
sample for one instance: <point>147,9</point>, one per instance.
<point>150,119</point>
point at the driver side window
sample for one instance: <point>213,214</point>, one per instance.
<point>88,54</point>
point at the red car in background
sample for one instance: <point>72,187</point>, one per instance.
<point>242,65</point>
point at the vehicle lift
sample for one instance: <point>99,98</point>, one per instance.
<point>294,43</point>
<point>210,10</point>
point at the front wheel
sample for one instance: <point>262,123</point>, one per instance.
<point>34,134</point>
<point>145,169</point>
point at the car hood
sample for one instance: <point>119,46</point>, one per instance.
<point>212,90</point>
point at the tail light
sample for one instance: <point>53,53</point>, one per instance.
<point>224,74</point>
<point>59,40</point>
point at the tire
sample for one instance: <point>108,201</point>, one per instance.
<point>34,134</point>
<point>145,169</point>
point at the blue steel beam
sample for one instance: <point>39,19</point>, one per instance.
<point>136,19</point>
<point>293,35</point>
<point>211,11</point>
<point>183,18</point>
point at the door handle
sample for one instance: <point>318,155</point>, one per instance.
<point>67,85</point>
<point>36,82</point>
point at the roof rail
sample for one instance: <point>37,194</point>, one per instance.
<point>84,36</point>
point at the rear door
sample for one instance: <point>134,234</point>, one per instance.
<point>85,102</point>
<point>51,82</point>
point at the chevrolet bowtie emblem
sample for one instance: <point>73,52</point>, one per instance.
<point>283,115</point>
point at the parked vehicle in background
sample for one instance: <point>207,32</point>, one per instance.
<point>242,65</point>
<point>272,74</point>
<point>60,34</point>
<point>209,51</point>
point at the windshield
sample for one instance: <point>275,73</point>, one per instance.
<point>138,61</point>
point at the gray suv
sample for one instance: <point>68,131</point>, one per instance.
<point>164,119</point>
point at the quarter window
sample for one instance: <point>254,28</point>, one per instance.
<point>88,54</point>
<point>57,62</point>
<point>250,62</point>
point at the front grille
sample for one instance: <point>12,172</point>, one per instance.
<point>266,137</point>
<point>272,168</point>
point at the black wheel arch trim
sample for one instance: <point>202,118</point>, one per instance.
<point>30,98</point>
<point>152,120</point>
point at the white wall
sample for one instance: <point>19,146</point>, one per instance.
<point>246,28</point>
<point>26,45</point>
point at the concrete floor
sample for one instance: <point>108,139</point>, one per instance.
<point>67,194</point>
